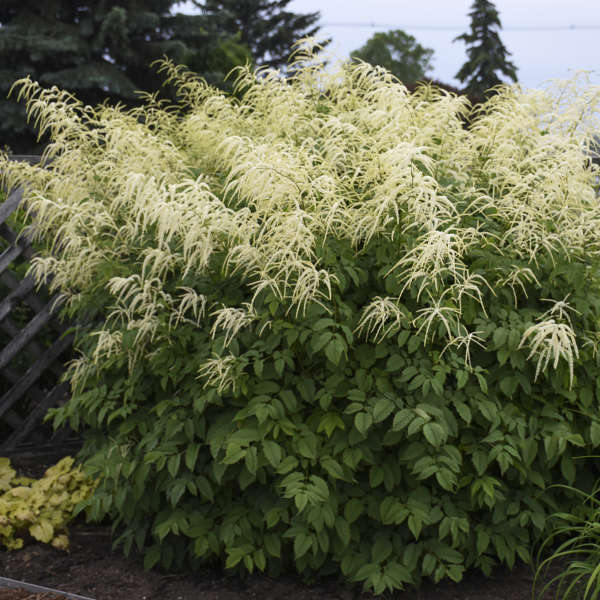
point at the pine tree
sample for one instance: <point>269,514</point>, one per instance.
<point>264,26</point>
<point>487,54</point>
<point>98,49</point>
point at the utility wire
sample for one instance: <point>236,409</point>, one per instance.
<point>456,28</point>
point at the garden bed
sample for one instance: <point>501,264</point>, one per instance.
<point>10,589</point>
<point>92,569</point>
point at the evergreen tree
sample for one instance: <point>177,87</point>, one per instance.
<point>487,54</point>
<point>99,49</point>
<point>264,26</point>
<point>399,53</point>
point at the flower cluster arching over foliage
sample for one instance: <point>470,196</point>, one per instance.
<point>325,263</point>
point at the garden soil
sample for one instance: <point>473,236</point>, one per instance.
<point>91,568</point>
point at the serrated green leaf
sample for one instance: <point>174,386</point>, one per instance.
<point>191,455</point>
<point>323,324</point>
<point>480,461</point>
<point>567,468</point>
<point>402,418</point>
<point>279,365</point>
<point>362,422</point>
<point>366,571</point>
<point>251,460</point>
<point>305,448</point>
<point>382,409</point>
<point>429,564</point>
<point>318,342</point>
<point>342,528</point>
<point>234,556</point>
<point>272,544</point>
<point>151,557</point>
<point>482,382</point>
<point>435,434</point>
<point>464,412</point>
<point>353,510</point>
<point>376,475</point>
<point>381,549</point>
<point>403,337</point>
<point>329,423</point>
<point>414,342</point>
<point>258,557</point>
<point>415,525</point>
<point>462,377</point>
<point>499,337</point>
<point>234,454</point>
<point>173,464</point>
<point>394,363</point>
<point>446,479</point>
<point>333,467</point>
<point>205,488</point>
<point>514,338</point>
<point>287,464</point>
<point>595,433</point>
<point>302,544</point>
<point>273,452</point>
<point>335,350</point>
<point>503,355</point>
<point>483,541</point>
<point>508,385</point>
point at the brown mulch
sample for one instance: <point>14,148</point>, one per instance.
<point>21,594</point>
<point>92,569</point>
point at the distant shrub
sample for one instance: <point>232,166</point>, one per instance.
<point>333,329</point>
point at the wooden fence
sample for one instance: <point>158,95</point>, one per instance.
<point>33,348</point>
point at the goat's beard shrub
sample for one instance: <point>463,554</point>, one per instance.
<point>325,325</point>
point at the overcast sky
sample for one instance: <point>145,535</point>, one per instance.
<point>547,38</point>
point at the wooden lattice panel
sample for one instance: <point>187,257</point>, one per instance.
<point>33,347</point>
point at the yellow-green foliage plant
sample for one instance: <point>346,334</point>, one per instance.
<point>41,507</point>
<point>332,326</point>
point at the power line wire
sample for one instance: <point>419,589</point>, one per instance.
<point>456,28</point>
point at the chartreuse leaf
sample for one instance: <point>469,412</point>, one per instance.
<point>43,531</point>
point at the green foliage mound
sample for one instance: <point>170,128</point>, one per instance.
<point>330,329</point>
<point>399,53</point>
<point>42,507</point>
